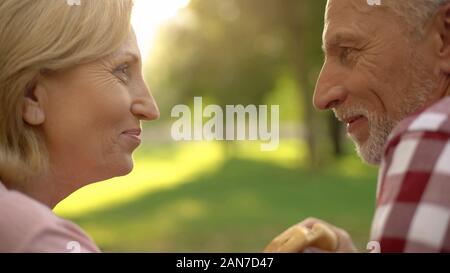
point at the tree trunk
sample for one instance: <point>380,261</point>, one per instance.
<point>335,129</point>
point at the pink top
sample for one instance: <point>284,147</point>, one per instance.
<point>29,226</point>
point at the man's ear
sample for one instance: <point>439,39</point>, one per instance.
<point>33,104</point>
<point>443,22</point>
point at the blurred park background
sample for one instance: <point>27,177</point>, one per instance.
<point>229,196</point>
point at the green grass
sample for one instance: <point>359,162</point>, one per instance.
<point>235,204</point>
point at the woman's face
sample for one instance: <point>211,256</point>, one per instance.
<point>92,115</point>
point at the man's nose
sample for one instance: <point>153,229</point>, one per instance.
<point>329,98</point>
<point>144,105</point>
<point>328,93</point>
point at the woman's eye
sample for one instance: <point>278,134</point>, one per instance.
<point>122,71</point>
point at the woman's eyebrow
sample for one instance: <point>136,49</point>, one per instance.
<point>127,54</point>
<point>133,56</point>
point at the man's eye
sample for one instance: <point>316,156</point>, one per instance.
<point>345,53</point>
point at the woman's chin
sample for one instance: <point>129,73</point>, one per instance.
<point>122,168</point>
<point>126,167</point>
<point>114,168</point>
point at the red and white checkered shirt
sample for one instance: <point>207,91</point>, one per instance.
<point>413,194</point>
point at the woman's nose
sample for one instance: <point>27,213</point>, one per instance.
<point>144,105</point>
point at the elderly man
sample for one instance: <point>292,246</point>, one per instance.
<point>386,76</point>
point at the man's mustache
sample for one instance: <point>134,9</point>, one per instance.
<point>344,114</point>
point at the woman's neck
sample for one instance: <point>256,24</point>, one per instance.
<point>46,189</point>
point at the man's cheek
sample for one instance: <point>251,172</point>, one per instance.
<point>371,71</point>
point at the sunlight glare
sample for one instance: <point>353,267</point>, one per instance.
<point>148,16</point>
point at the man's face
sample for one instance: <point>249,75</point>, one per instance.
<point>373,75</point>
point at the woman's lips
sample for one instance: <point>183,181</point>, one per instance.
<point>133,134</point>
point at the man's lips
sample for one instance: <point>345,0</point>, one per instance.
<point>354,122</point>
<point>352,119</point>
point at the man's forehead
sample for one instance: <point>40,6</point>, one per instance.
<point>351,10</point>
<point>348,20</point>
<point>360,6</point>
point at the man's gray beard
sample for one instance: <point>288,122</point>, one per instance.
<point>380,126</point>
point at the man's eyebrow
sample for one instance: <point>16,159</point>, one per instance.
<point>338,38</point>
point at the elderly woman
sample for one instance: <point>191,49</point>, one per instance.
<point>72,96</point>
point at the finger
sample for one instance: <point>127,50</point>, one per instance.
<point>344,241</point>
<point>280,239</point>
<point>326,237</point>
<point>310,222</point>
<point>297,243</point>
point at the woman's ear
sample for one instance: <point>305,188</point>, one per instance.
<point>33,105</point>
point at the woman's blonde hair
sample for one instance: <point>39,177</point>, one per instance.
<point>47,35</point>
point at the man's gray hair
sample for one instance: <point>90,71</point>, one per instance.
<point>415,13</point>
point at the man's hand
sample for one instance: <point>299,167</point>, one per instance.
<point>303,237</point>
